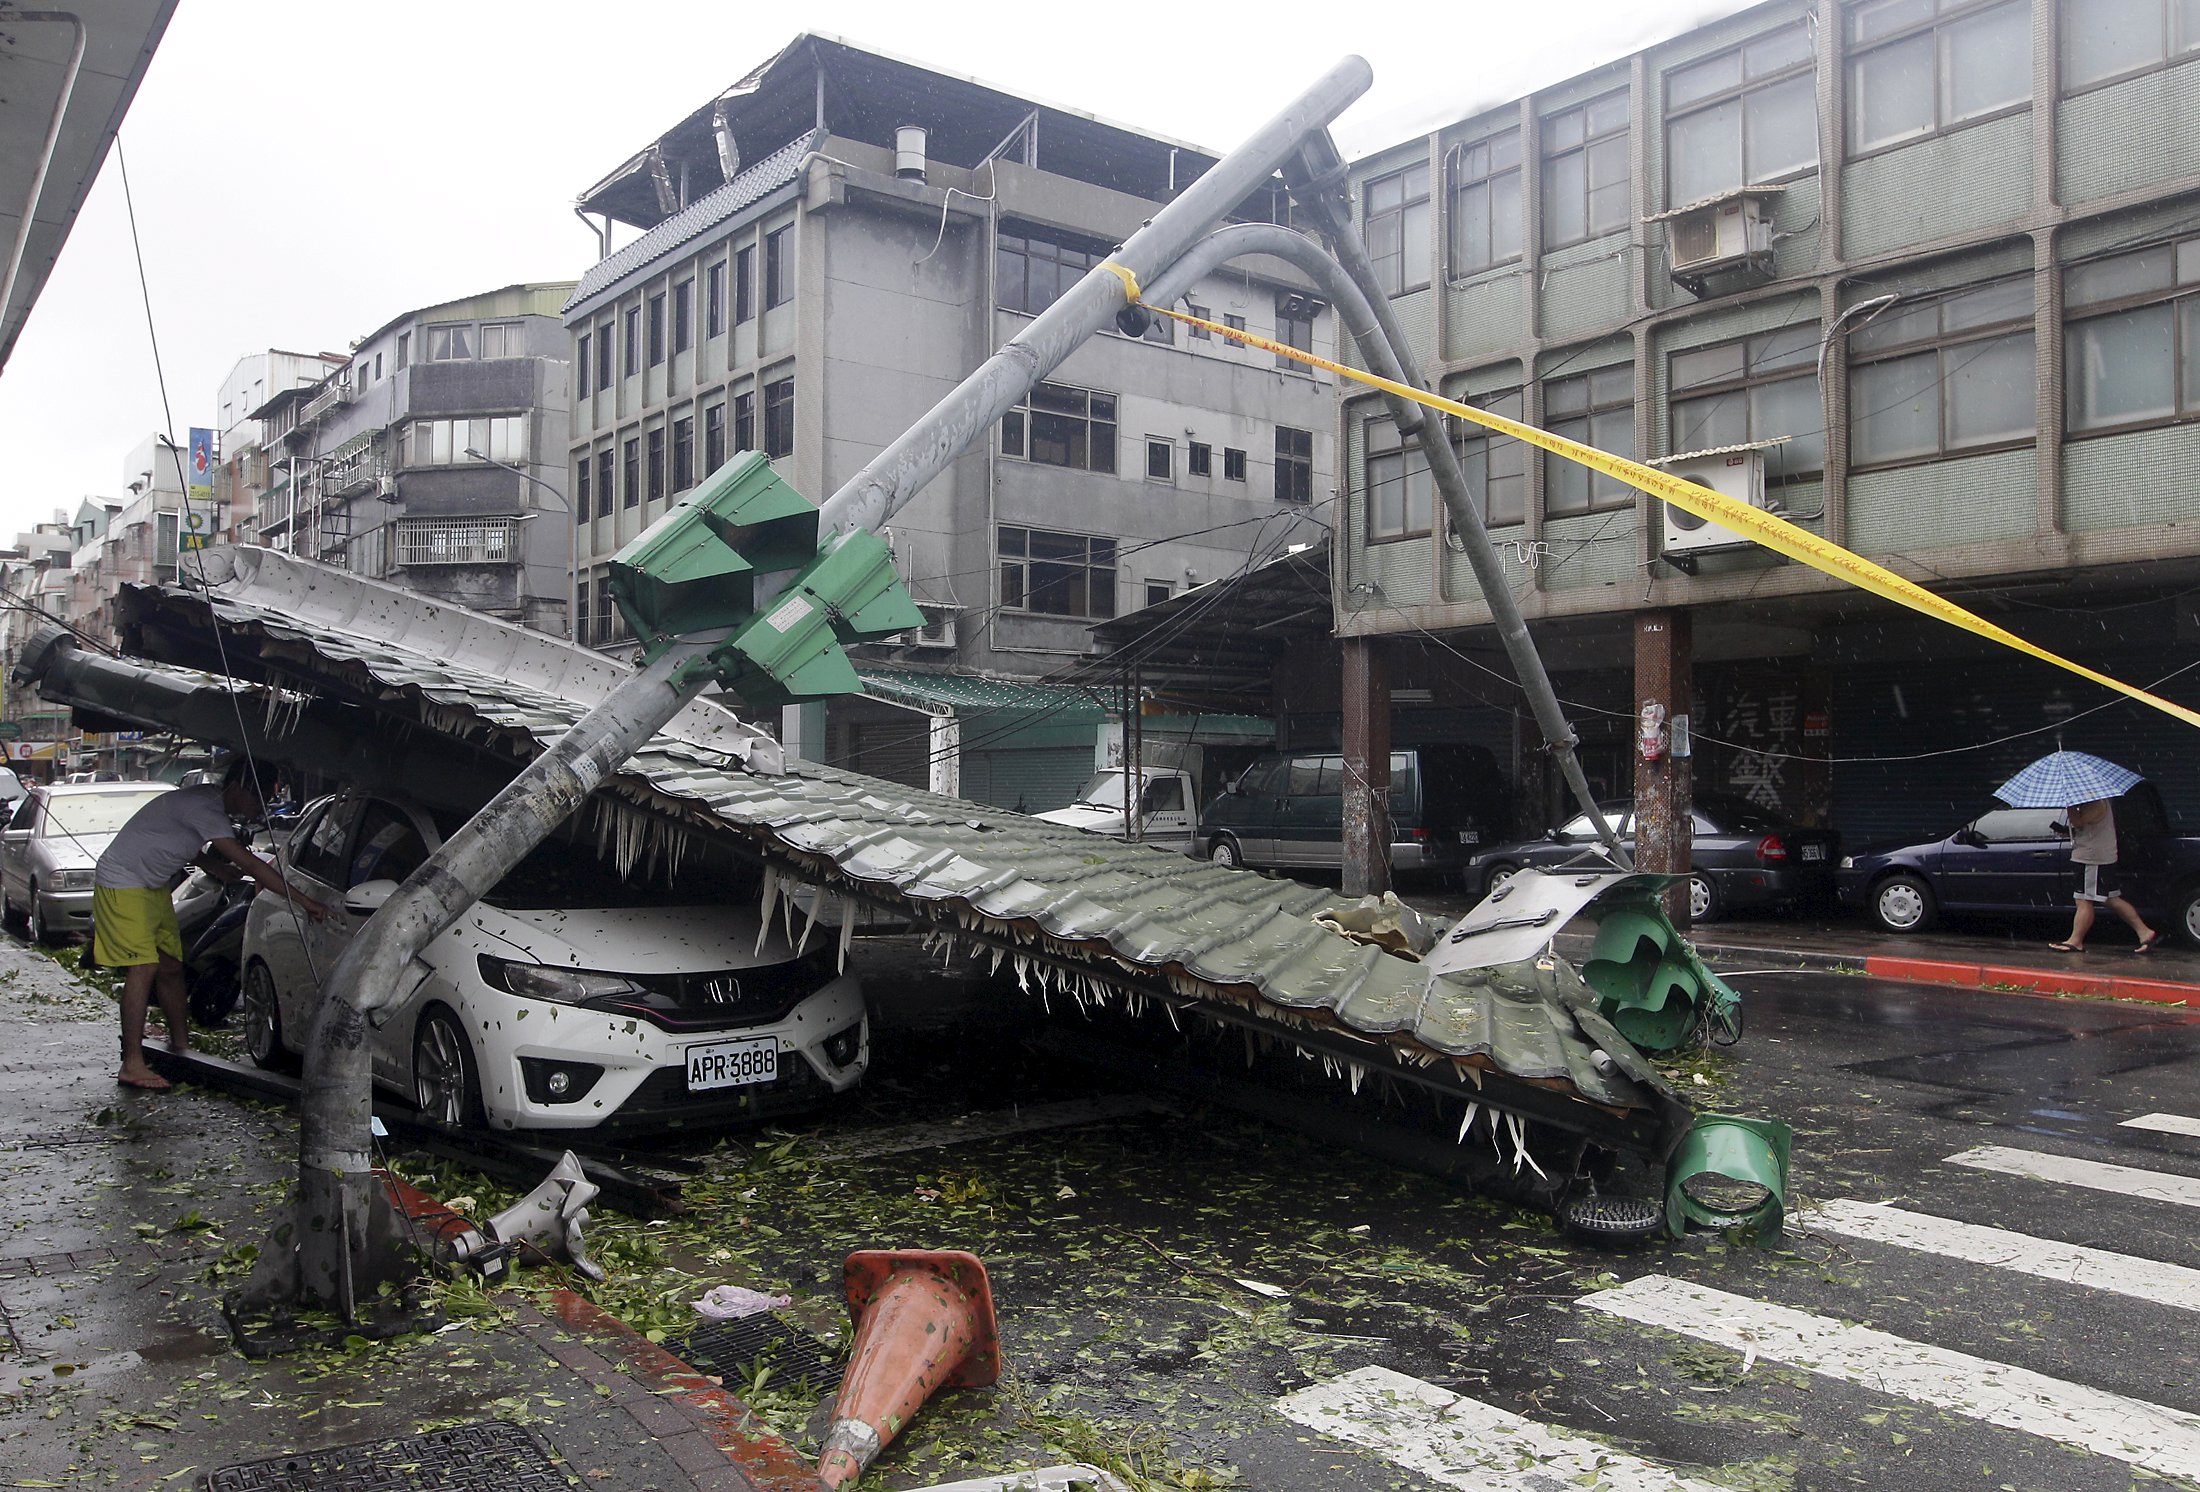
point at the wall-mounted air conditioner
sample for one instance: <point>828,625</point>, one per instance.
<point>1731,471</point>
<point>1724,240</point>
<point>938,630</point>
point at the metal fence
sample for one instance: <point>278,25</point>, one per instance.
<point>457,541</point>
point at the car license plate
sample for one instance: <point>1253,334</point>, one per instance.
<point>730,1064</point>
<point>1814,852</point>
<point>1470,836</point>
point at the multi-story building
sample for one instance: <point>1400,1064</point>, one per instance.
<point>428,456</point>
<point>244,470</point>
<point>1925,272</point>
<point>825,250</point>
<point>32,726</point>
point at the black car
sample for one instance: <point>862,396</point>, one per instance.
<point>2017,860</point>
<point>1741,856</point>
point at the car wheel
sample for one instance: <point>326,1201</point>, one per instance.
<point>1498,875</point>
<point>1903,904</point>
<point>1703,899</point>
<point>1225,851</point>
<point>263,1021</point>
<point>42,932</point>
<point>213,991</point>
<point>2188,915</point>
<point>445,1085</point>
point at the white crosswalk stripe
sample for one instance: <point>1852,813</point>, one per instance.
<point>2124,1181</point>
<point>1462,1442</point>
<point>2097,1269</point>
<point>2168,1124</point>
<point>2129,1430</point>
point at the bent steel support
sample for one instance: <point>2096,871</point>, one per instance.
<point>1366,314</point>
<point>341,1208</point>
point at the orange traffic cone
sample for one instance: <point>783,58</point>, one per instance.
<point>923,1322</point>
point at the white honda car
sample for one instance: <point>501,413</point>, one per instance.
<point>569,997</point>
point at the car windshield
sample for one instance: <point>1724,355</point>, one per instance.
<point>557,876</point>
<point>1104,791</point>
<point>94,813</point>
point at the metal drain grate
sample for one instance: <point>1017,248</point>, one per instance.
<point>734,1350</point>
<point>493,1456</point>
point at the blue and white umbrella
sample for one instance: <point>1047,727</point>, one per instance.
<point>2063,779</point>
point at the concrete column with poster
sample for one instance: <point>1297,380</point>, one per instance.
<point>1663,824</point>
<point>1366,786</point>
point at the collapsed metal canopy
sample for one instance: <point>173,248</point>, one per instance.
<point>1079,916</point>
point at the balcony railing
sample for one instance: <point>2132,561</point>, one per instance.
<point>457,541</point>
<point>335,396</point>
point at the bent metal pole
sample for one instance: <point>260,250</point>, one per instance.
<point>340,1203</point>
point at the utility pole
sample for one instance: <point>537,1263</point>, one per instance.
<point>1366,785</point>
<point>1663,820</point>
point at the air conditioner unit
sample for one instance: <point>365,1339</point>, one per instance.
<point>938,631</point>
<point>1737,472</point>
<point>1729,235</point>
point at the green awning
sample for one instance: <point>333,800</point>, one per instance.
<point>965,694</point>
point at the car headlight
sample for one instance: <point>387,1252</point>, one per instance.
<point>1848,862</point>
<point>72,880</point>
<point>540,982</point>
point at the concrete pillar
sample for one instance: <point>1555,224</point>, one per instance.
<point>802,730</point>
<point>1366,767</point>
<point>944,751</point>
<point>1662,818</point>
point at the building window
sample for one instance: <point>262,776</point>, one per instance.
<point>1912,73</point>
<point>1158,591</point>
<point>1199,459</point>
<point>656,467</point>
<point>1952,374</point>
<point>1200,333</point>
<point>714,300</point>
<point>1597,409</point>
<point>1496,465</point>
<point>1396,212</point>
<point>1485,203</point>
<point>1294,465</point>
<point>1057,574</point>
<point>633,364</point>
<point>683,453</point>
<point>606,492</point>
<point>631,452</point>
<point>446,442</point>
<point>778,268</point>
<point>744,285</point>
<point>2132,339</point>
<point>683,316</point>
<point>744,422</point>
<point>1295,326</point>
<point>603,355</point>
<point>1752,389</point>
<point>1233,323</point>
<point>1031,269</point>
<point>404,350</point>
<point>779,418</point>
<point>449,344</point>
<point>656,330</point>
<point>378,367</point>
<point>1233,464</point>
<point>1585,171</point>
<point>610,621</point>
<point>1743,118</point>
<point>714,438</point>
<point>2108,39</point>
<point>1057,425</point>
<point>1400,493</point>
<point>1160,459</point>
<point>583,594</point>
<point>581,493</point>
<point>501,339</point>
<point>581,364</point>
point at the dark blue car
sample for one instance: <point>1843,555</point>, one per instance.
<point>2017,861</point>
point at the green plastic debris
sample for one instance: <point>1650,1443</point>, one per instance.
<point>693,573</point>
<point>1650,984</point>
<point>1730,1172</point>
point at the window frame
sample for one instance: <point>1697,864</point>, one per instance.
<point>1295,318</point>
<point>2173,55</point>
<point>683,315</point>
<point>1677,394</point>
<point>654,463</point>
<point>744,421</point>
<point>607,479</point>
<point>714,299</point>
<point>779,417</point>
<point>583,487</point>
<point>1380,440</point>
<point>1020,426</point>
<point>1458,184</point>
<point>606,354</point>
<point>1605,493</point>
<point>1234,464</point>
<point>1161,452</point>
<point>584,349</point>
<point>1294,468</point>
<point>1943,344</point>
<point>630,471</point>
<point>2176,297</point>
<point>714,437</point>
<point>1393,267</point>
<point>656,304</point>
<point>1948,15</point>
<point>683,452</point>
<point>744,284</point>
<point>632,365</point>
<point>1740,92</point>
<point>1100,596</point>
<point>1587,149</point>
<point>1199,459</point>
<point>778,271</point>
<point>1480,444</point>
<point>1064,251</point>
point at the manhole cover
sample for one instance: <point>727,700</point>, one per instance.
<point>494,1456</point>
<point>734,1351</point>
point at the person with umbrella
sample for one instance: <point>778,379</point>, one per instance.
<point>2082,785</point>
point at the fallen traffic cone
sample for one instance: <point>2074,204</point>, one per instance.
<point>923,1322</point>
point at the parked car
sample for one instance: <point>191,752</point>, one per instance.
<point>2016,861</point>
<point>1165,818</point>
<point>50,847</point>
<point>569,997</point>
<point>1287,809</point>
<point>1740,856</point>
<point>11,789</point>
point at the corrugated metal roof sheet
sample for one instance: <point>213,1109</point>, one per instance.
<point>1084,910</point>
<point>972,694</point>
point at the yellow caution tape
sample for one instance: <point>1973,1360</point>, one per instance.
<point>1774,533</point>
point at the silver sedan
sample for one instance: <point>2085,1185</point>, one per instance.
<point>52,842</point>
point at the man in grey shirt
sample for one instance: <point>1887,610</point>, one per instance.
<point>2093,869</point>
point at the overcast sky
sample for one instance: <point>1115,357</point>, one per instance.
<point>303,173</point>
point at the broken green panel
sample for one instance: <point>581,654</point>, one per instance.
<point>693,570</point>
<point>1730,1172</point>
<point>849,592</point>
<point>1650,983</point>
<point>855,581</point>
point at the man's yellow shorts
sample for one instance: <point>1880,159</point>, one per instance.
<point>133,925</point>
